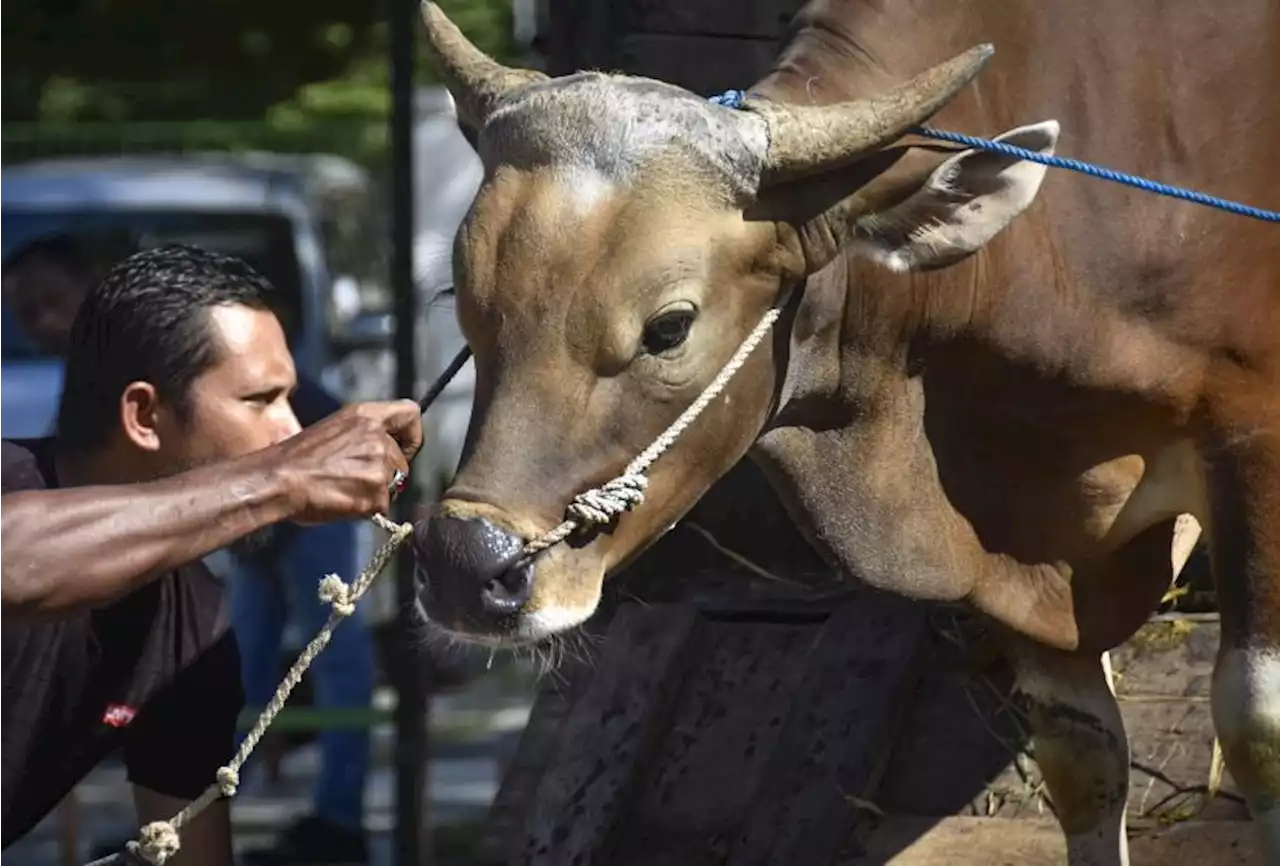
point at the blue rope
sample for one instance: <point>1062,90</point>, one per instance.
<point>1104,173</point>
<point>730,98</point>
<point>734,99</point>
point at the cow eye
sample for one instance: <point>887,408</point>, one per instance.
<point>667,331</point>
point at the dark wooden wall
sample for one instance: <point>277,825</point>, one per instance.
<point>708,46</point>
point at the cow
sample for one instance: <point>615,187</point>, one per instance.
<point>990,382</point>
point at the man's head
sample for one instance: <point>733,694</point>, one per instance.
<point>627,237</point>
<point>44,283</point>
<point>175,360</point>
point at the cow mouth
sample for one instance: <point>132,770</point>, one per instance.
<point>447,608</point>
<point>519,632</point>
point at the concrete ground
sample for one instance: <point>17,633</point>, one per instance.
<point>473,733</point>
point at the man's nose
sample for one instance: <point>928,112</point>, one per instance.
<point>289,424</point>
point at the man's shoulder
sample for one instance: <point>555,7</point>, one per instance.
<point>22,464</point>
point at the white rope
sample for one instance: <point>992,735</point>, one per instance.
<point>159,840</point>
<point>604,503</point>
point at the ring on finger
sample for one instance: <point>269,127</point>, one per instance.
<point>398,481</point>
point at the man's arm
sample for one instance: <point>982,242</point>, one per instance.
<point>175,746</point>
<point>80,547</point>
<point>206,841</point>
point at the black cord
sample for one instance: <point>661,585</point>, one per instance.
<point>445,378</point>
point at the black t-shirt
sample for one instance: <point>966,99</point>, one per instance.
<point>156,674</point>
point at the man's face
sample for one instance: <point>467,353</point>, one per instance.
<point>241,403</point>
<point>44,295</point>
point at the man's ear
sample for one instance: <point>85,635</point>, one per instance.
<point>963,205</point>
<point>140,415</point>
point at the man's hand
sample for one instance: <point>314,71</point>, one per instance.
<point>343,466</point>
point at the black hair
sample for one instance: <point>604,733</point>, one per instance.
<point>148,321</point>
<point>61,248</point>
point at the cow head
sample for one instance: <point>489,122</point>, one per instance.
<point>627,237</point>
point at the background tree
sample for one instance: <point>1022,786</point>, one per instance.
<point>285,74</point>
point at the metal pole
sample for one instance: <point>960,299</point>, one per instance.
<point>412,832</point>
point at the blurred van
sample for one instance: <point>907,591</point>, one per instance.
<point>298,220</point>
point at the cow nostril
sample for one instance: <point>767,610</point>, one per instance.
<point>470,569</point>
<point>507,593</point>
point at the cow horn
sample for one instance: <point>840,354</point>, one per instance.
<point>476,80</point>
<point>807,139</point>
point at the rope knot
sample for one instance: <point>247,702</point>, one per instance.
<point>228,781</point>
<point>606,502</point>
<point>388,525</point>
<point>730,98</point>
<point>157,842</point>
<point>334,591</point>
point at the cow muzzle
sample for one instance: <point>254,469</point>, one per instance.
<point>471,580</point>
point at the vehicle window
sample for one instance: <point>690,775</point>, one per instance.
<point>265,241</point>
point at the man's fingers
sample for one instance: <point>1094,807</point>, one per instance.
<point>406,427</point>
<point>402,419</point>
<point>399,462</point>
<point>397,466</point>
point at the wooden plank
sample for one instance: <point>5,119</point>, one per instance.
<point>537,746</point>
<point>962,733</point>
<point>1171,748</point>
<point>836,736</point>
<point>609,737</point>
<point>705,65</point>
<point>752,19</point>
<point>1163,676</point>
<point>959,841</point>
<point>1171,656</point>
<point>727,724</point>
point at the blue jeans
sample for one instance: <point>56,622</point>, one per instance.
<point>263,595</point>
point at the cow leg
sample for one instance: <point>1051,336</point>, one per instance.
<point>1080,746</point>
<point>1244,544</point>
<point>1076,728</point>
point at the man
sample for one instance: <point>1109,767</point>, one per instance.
<point>269,581</point>
<point>175,438</point>
<point>274,574</point>
<point>44,283</point>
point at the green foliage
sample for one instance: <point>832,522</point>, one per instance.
<point>94,76</point>
<point>362,92</point>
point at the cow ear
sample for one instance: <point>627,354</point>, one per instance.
<point>964,203</point>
